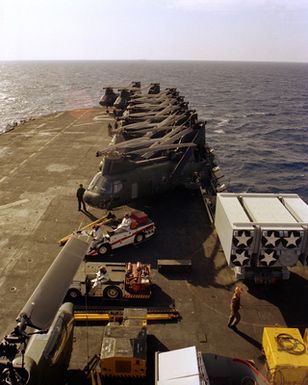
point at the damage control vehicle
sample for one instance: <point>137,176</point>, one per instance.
<point>114,236</point>
<point>120,280</point>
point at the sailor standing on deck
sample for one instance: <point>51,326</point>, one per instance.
<point>235,305</point>
<point>79,195</point>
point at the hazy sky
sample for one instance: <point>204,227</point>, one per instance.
<point>254,30</point>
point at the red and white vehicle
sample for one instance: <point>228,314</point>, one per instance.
<point>141,228</point>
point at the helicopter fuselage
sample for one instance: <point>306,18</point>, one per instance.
<point>140,179</point>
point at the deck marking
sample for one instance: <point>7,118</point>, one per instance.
<point>13,170</point>
<point>58,115</point>
<point>47,143</point>
<point>75,132</point>
<point>85,124</point>
<point>100,117</point>
<point>14,204</point>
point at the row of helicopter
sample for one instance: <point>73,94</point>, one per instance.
<point>158,144</point>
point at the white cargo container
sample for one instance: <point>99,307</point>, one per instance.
<point>236,240</point>
<point>299,209</point>
<point>267,210</point>
<point>262,233</point>
<point>281,236</point>
<point>180,367</point>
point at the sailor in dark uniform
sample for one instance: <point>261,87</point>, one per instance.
<point>79,196</point>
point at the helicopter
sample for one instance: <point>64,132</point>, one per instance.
<point>150,107</point>
<point>38,350</point>
<point>141,167</point>
<point>153,116</point>
<point>110,98</point>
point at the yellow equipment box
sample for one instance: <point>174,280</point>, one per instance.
<point>286,356</point>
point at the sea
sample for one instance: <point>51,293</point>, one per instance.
<point>256,113</point>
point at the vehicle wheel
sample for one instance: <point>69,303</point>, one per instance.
<point>112,292</point>
<point>73,294</point>
<point>139,238</point>
<point>104,249</point>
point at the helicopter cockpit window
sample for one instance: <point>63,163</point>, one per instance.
<point>59,336</point>
<point>101,165</point>
<point>100,184</point>
<point>106,186</point>
<point>117,186</point>
<point>96,182</point>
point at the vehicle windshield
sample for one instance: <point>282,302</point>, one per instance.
<point>100,184</point>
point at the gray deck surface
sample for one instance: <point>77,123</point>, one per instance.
<point>42,163</point>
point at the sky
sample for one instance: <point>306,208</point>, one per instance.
<point>241,30</point>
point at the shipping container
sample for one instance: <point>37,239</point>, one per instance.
<point>299,209</point>
<point>181,367</point>
<point>236,240</point>
<point>281,236</point>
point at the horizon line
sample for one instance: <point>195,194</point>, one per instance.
<point>154,60</point>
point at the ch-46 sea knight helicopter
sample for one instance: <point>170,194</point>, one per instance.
<point>110,98</point>
<point>161,150</point>
<point>38,350</point>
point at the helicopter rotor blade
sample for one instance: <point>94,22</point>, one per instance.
<point>45,301</point>
<point>172,146</point>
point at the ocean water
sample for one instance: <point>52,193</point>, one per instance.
<point>256,113</point>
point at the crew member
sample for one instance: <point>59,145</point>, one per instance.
<point>102,276</point>
<point>79,195</point>
<point>125,224</point>
<point>235,305</point>
<point>97,235</point>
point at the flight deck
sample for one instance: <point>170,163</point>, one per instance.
<point>43,161</point>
